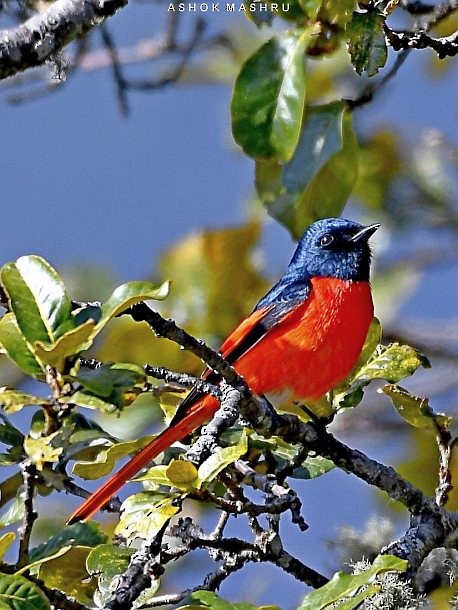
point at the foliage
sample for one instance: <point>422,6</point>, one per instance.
<point>356,587</point>
<point>60,435</point>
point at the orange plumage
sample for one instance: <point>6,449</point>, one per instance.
<point>302,339</point>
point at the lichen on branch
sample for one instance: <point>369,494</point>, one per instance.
<point>45,34</point>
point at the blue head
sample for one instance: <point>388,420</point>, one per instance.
<point>334,247</point>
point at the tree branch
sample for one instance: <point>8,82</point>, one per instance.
<point>430,524</point>
<point>266,421</point>
<point>417,38</point>
<point>223,419</point>
<point>29,473</point>
<point>240,552</point>
<point>444,47</point>
<point>142,570</point>
<point>43,35</point>
<point>256,409</point>
<point>279,497</point>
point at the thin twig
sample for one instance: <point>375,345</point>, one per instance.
<point>418,38</point>
<point>118,75</point>
<point>239,549</point>
<point>220,526</point>
<point>29,472</point>
<point>445,444</point>
<point>444,47</point>
<point>367,95</point>
<point>274,505</point>
<point>280,498</point>
<point>175,73</point>
<point>202,386</point>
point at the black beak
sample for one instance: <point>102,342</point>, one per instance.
<point>365,234</point>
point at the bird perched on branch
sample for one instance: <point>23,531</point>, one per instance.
<point>301,340</point>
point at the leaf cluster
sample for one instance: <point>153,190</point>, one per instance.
<point>290,113</point>
<point>47,335</point>
<point>306,154</point>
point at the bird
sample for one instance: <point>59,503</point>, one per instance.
<point>302,339</point>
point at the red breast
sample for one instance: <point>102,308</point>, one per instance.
<point>316,345</point>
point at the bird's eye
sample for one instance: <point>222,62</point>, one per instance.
<point>326,240</point>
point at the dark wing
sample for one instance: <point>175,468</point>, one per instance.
<point>269,311</point>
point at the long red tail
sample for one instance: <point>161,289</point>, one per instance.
<point>198,413</point>
<point>192,413</point>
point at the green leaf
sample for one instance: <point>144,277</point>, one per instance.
<point>9,435</point>
<point>9,488</point>
<point>156,476</point>
<point>41,451</point>
<point>107,458</point>
<point>85,438</point>
<point>310,7</point>
<point>104,380</point>
<point>317,181</point>
<point>7,459</point>
<point>18,593</point>
<point>269,95</point>
<point>106,561</point>
<point>71,343</point>
<point>356,599</point>
<point>144,514</point>
<point>109,560</point>
<point>414,410</point>
<point>209,599</point>
<point>182,474</point>
<point>34,567</point>
<point>185,476</point>
<point>336,12</point>
<point>6,540</point>
<point>311,468</point>
<point>84,429</point>
<point>12,401</point>
<point>347,585</point>
<point>108,388</point>
<point>392,363</point>
<point>68,573</point>
<point>17,348</point>
<point>15,512</point>
<point>38,299</point>
<point>213,465</point>
<point>89,401</point>
<point>78,534</point>
<point>126,295</point>
<point>366,42</point>
<point>374,336</point>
